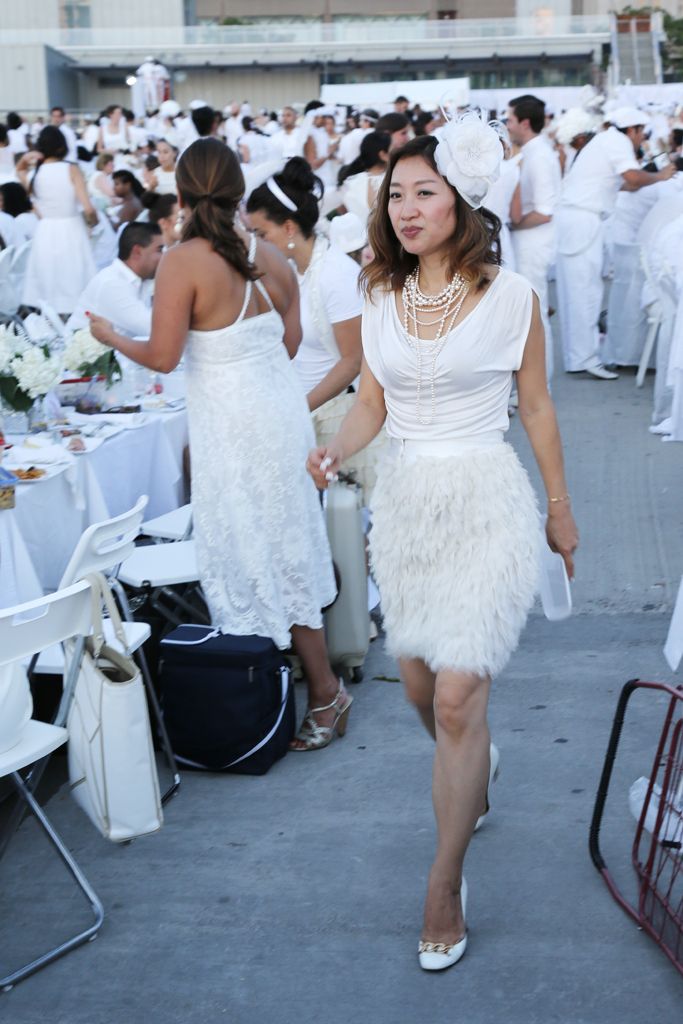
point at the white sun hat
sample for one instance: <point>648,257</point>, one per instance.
<point>347,232</point>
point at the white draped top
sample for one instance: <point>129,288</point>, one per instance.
<point>473,375</point>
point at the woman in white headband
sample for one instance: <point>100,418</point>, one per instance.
<point>456,538</point>
<point>284,211</point>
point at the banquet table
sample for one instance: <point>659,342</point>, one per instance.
<point>39,534</point>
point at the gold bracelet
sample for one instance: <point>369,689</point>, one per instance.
<point>565,497</point>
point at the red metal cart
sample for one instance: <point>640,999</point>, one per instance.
<point>657,853</point>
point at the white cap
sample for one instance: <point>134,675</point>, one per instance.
<point>196,104</point>
<point>628,117</point>
<point>347,232</point>
<point>169,108</point>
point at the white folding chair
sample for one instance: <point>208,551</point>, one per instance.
<point>52,319</point>
<point>9,298</point>
<point>102,548</point>
<point>25,629</point>
<point>174,526</point>
<point>626,321</point>
<point>18,266</point>
<point>158,570</point>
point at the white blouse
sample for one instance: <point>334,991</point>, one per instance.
<point>473,370</point>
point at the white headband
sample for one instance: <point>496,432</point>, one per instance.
<point>273,187</point>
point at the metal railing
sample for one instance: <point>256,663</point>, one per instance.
<point>159,38</point>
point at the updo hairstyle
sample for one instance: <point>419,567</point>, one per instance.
<point>302,186</point>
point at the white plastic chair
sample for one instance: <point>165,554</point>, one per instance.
<point>158,569</point>
<point>174,526</point>
<point>102,548</point>
<point>626,321</point>
<point>9,298</point>
<point>24,630</point>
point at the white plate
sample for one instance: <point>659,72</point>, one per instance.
<point>50,471</point>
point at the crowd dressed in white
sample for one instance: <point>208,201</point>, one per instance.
<point>576,193</point>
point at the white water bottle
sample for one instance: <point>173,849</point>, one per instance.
<point>556,595</point>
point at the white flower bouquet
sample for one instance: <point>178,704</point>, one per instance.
<point>87,357</point>
<point>469,155</point>
<point>27,371</point>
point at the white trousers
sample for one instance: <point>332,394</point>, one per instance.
<point>579,286</point>
<point>534,255</point>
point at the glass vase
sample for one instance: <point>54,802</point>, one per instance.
<point>37,416</point>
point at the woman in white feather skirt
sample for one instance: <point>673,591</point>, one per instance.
<point>456,536</point>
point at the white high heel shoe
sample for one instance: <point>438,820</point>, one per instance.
<point>494,772</point>
<point>436,956</point>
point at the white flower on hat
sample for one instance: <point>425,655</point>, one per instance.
<point>469,155</point>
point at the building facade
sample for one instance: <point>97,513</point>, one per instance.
<point>79,53</point>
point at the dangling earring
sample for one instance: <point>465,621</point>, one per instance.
<point>291,244</point>
<point>179,221</point>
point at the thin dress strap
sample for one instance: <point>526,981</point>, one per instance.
<point>261,288</point>
<point>248,285</point>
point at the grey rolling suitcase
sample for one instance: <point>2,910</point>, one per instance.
<point>347,621</point>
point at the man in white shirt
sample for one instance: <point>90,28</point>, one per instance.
<point>232,126</point>
<point>533,236</point>
<point>122,292</point>
<point>58,119</point>
<point>289,141</point>
<point>604,166</point>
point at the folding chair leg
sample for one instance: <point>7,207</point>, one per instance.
<point>647,352</point>
<point>90,933</point>
<point>152,697</point>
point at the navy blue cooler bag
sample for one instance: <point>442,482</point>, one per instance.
<point>228,701</point>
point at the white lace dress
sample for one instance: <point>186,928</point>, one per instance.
<point>264,558</point>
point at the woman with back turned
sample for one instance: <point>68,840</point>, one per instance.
<point>233,307</point>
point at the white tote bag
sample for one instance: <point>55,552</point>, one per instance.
<point>112,769</point>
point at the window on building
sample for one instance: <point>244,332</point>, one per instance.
<point>74,13</point>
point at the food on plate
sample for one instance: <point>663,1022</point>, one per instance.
<point>32,473</point>
<point>76,444</point>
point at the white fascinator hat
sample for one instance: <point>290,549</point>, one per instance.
<point>470,153</point>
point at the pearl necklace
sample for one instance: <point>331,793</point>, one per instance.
<point>450,300</point>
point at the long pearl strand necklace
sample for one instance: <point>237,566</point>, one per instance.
<point>444,307</point>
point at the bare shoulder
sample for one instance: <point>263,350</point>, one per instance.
<point>269,260</point>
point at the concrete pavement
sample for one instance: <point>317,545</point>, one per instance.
<point>296,897</point>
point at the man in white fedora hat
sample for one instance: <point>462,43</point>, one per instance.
<point>608,163</point>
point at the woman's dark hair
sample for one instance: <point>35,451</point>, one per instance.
<point>152,162</point>
<point>51,143</point>
<point>299,184</point>
<point>676,137</point>
<point>15,199</point>
<point>159,204</point>
<point>3,134</point>
<point>249,126</point>
<point>421,121</point>
<point>13,120</point>
<point>137,187</point>
<point>210,181</point>
<point>473,245</point>
<point>203,120</point>
<point>391,123</point>
<point>373,144</point>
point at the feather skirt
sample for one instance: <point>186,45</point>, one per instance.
<point>455,550</point>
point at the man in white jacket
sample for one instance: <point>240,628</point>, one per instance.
<point>608,163</point>
<point>533,235</point>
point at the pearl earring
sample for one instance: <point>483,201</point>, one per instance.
<point>179,221</point>
<point>291,244</point>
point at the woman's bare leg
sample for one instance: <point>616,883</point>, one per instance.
<point>420,682</point>
<point>322,683</point>
<point>461,766</point>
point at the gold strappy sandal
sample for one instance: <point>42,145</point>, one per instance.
<point>315,736</point>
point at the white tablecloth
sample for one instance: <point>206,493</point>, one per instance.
<point>38,536</point>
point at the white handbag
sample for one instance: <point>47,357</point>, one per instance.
<point>112,769</point>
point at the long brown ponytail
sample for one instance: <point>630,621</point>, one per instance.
<point>210,182</point>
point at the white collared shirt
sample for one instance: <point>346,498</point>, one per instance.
<point>595,177</point>
<point>119,295</point>
<point>540,178</point>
